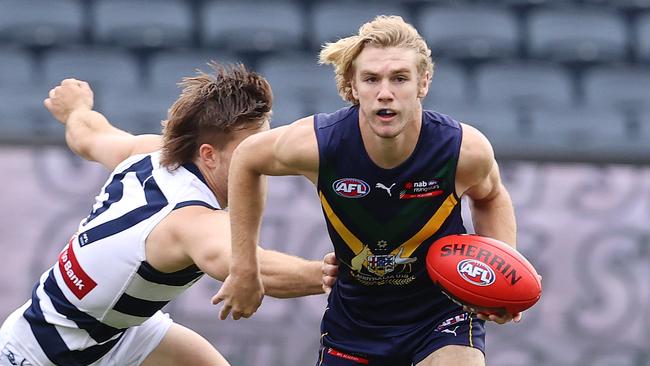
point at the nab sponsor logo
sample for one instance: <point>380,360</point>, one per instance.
<point>351,188</point>
<point>476,272</point>
<point>422,184</point>
<point>421,189</point>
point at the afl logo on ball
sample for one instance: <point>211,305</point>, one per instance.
<point>476,272</point>
<point>351,187</point>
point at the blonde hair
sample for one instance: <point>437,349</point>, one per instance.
<point>383,31</point>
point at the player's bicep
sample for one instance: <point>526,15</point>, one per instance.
<point>298,148</point>
<point>257,154</point>
<point>286,150</point>
<point>208,243</point>
<point>474,173</point>
<point>486,187</point>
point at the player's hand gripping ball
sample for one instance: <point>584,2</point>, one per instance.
<point>483,273</point>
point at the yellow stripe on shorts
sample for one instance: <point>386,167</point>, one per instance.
<point>471,340</point>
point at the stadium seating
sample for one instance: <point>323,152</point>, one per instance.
<point>567,133</point>
<point>629,5</point>
<point>470,32</point>
<point>494,120</point>
<point>24,119</point>
<point>498,62</point>
<point>166,69</point>
<point>252,26</point>
<point>114,69</point>
<point>333,20</point>
<point>643,37</point>
<point>136,110</point>
<point>16,67</point>
<point>625,88</point>
<point>499,122</point>
<point>288,110</point>
<point>535,3</point>
<point>449,83</point>
<point>327,104</point>
<point>25,22</point>
<point>524,84</point>
<point>142,23</point>
<point>643,126</point>
<point>298,83</point>
<point>572,34</point>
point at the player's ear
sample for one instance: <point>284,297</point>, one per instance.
<point>423,87</point>
<point>208,155</point>
<point>353,86</point>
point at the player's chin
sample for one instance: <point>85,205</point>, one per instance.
<point>387,131</point>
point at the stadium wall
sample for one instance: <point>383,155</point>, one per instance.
<point>585,227</point>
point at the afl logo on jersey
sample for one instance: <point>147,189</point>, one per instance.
<point>351,187</point>
<point>476,272</point>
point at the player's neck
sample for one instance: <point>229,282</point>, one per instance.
<point>390,152</point>
<point>217,184</point>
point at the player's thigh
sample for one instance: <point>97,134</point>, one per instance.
<point>454,355</point>
<point>183,346</point>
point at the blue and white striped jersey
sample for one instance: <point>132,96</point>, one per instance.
<point>102,284</point>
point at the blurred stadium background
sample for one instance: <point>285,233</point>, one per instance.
<point>561,87</point>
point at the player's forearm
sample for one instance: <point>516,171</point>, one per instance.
<point>495,217</point>
<point>287,276</point>
<point>246,198</point>
<point>83,127</point>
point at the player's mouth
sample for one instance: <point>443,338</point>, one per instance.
<point>386,114</point>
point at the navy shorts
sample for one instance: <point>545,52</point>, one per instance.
<point>452,328</point>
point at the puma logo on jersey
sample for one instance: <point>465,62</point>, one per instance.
<point>387,189</point>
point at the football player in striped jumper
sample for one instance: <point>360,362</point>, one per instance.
<point>389,177</point>
<point>157,226</point>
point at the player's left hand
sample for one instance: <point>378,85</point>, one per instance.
<point>330,271</point>
<point>496,318</point>
<point>241,295</point>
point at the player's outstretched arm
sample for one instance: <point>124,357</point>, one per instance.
<point>286,276</point>
<point>288,150</point>
<point>88,133</point>
<point>202,236</point>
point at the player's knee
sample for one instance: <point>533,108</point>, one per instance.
<point>454,355</point>
<point>182,346</point>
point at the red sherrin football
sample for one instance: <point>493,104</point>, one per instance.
<point>483,273</point>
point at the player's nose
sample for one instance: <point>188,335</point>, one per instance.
<point>385,92</point>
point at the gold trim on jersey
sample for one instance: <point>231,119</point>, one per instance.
<point>431,227</point>
<point>350,239</point>
<point>409,246</point>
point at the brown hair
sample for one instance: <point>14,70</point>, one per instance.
<point>383,31</point>
<point>231,98</point>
